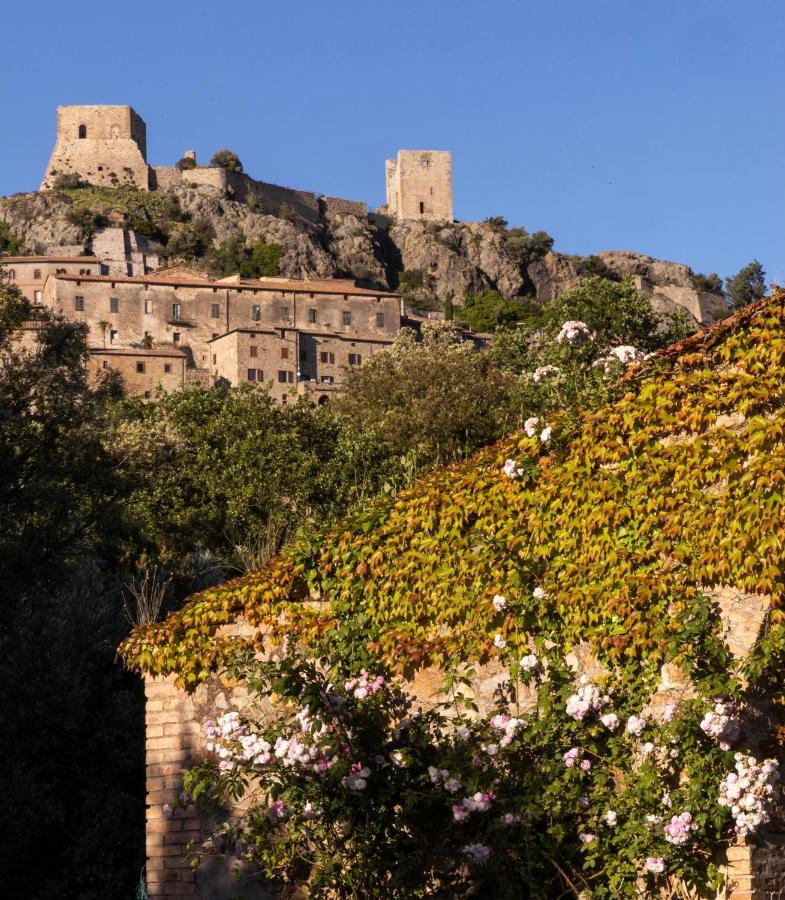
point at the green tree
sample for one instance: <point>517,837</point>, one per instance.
<point>525,248</point>
<point>190,240</point>
<point>711,284</point>
<point>227,159</point>
<point>417,287</point>
<point>75,775</point>
<point>489,310</point>
<point>9,242</point>
<point>260,260</point>
<point>747,285</point>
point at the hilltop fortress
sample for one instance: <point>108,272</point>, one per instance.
<point>107,145</point>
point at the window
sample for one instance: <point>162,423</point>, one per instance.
<point>303,354</point>
<point>88,271</point>
<point>346,317</point>
<point>425,162</point>
<point>176,337</point>
<point>11,274</point>
<point>36,296</point>
<point>422,207</point>
<point>253,350</point>
<point>284,313</point>
<point>59,271</point>
<point>84,272</point>
<point>36,274</point>
<point>285,377</point>
<point>284,353</point>
<point>256,313</point>
<point>140,368</point>
<point>312,316</point>
<point>215,311</point>
<point>147,395</point>
<point>324,400</point>
<point>215,335</point>
<point>82,131</point>
<point>355,359</point>
<point>176,310</point>
<point>380,320</point>
<point>113,336</point>
<point>326,357</point>
<point>105,364</point>
<point>327,379</point>
<point>79,303</point>
<point>167,368</point>
<point>114,305</point>
<point>148,307</point>
<point>215,359</point>
<point>252,374</point>
<point>148,337</point>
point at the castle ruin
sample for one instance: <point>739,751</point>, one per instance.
<point>103,145</point>
<point>419,185</point>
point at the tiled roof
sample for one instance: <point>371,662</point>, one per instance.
<point>324,286</point>
<point>138,351</point>
<point>51,259</point>
<point>316,332</point>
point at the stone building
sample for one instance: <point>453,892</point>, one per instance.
<point>419,185</point>
<point>29,273</point>
<point>103,145</point>
<point>143,369</point>
<point>305,332</point>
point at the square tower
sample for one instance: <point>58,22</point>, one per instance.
<point>104,145</point>
<point>419,185</point>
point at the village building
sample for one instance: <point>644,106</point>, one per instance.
<point>29,273</point>
<point>419,185</point>
<point>298,336</point>
<point>143,370</point>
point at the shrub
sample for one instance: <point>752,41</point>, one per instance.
<point>711,284</point>
<point>9,242</point>
<point>186,162</point>
<point>227,159</point>
<point>69,182</point>
<point>489,310</point>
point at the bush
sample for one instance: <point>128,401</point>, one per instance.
<point>69,182</point>
<point>227,159</point>
<point>525,248</point>
<point>489,310</point>
<point>260,260</point>
<point>186,162</point>
<point>86,220</point>
<point>190,240</point>
<point>417,287</point>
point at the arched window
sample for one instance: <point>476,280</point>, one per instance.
<point>36,274</point>
<point>323,400</point>
<point>83,131</point>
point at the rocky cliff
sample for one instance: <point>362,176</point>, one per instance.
<point>450,260</point>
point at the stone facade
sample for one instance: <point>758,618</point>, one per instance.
<point>291,361</point>
<point>143,370</point>
<point>29,273</point>
<point>104,145</point>
<point>324,325</point>
<point>124,251</point>
<point>419,185</point>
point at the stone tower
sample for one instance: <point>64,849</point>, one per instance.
<point>419,185</point>
<point>103,145</point>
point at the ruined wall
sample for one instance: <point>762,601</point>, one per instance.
<point>103,145</point>
<point>419,185</point>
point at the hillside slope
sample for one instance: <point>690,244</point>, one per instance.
<point>449,260</point>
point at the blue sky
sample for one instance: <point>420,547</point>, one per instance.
<point>649,125</point>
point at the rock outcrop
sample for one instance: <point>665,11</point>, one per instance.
<point>454,259</point>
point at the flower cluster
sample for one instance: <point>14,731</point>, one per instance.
<point>529,663</point>
<point>655,864</point>
<point>719,723</point>
<point>532,425</point>
<point>499,602</point>
<point>511,469</point>
<point>235,743</point>
<point>545,373</point>
<point>357,779</point>
<point>679,829</point>
<point>509,725</point>
<point>574,333</point>
<point>585,700</point>
<point>574,757</point>
<point>478,852</point>
<point>479,802</point>
<point>365,685</point>
<point>748,792</point>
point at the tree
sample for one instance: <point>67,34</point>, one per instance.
<point>489,310</point>
<point>190,239</point>
<point>9,242</point>
<point>525,248</point>
<point>416,286</point>
<point>747,285</point>
<point>260,260</point>
<point>76,774</point>
<point>433,399</point>
<point>227,159</point>
<point>710,284</point>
